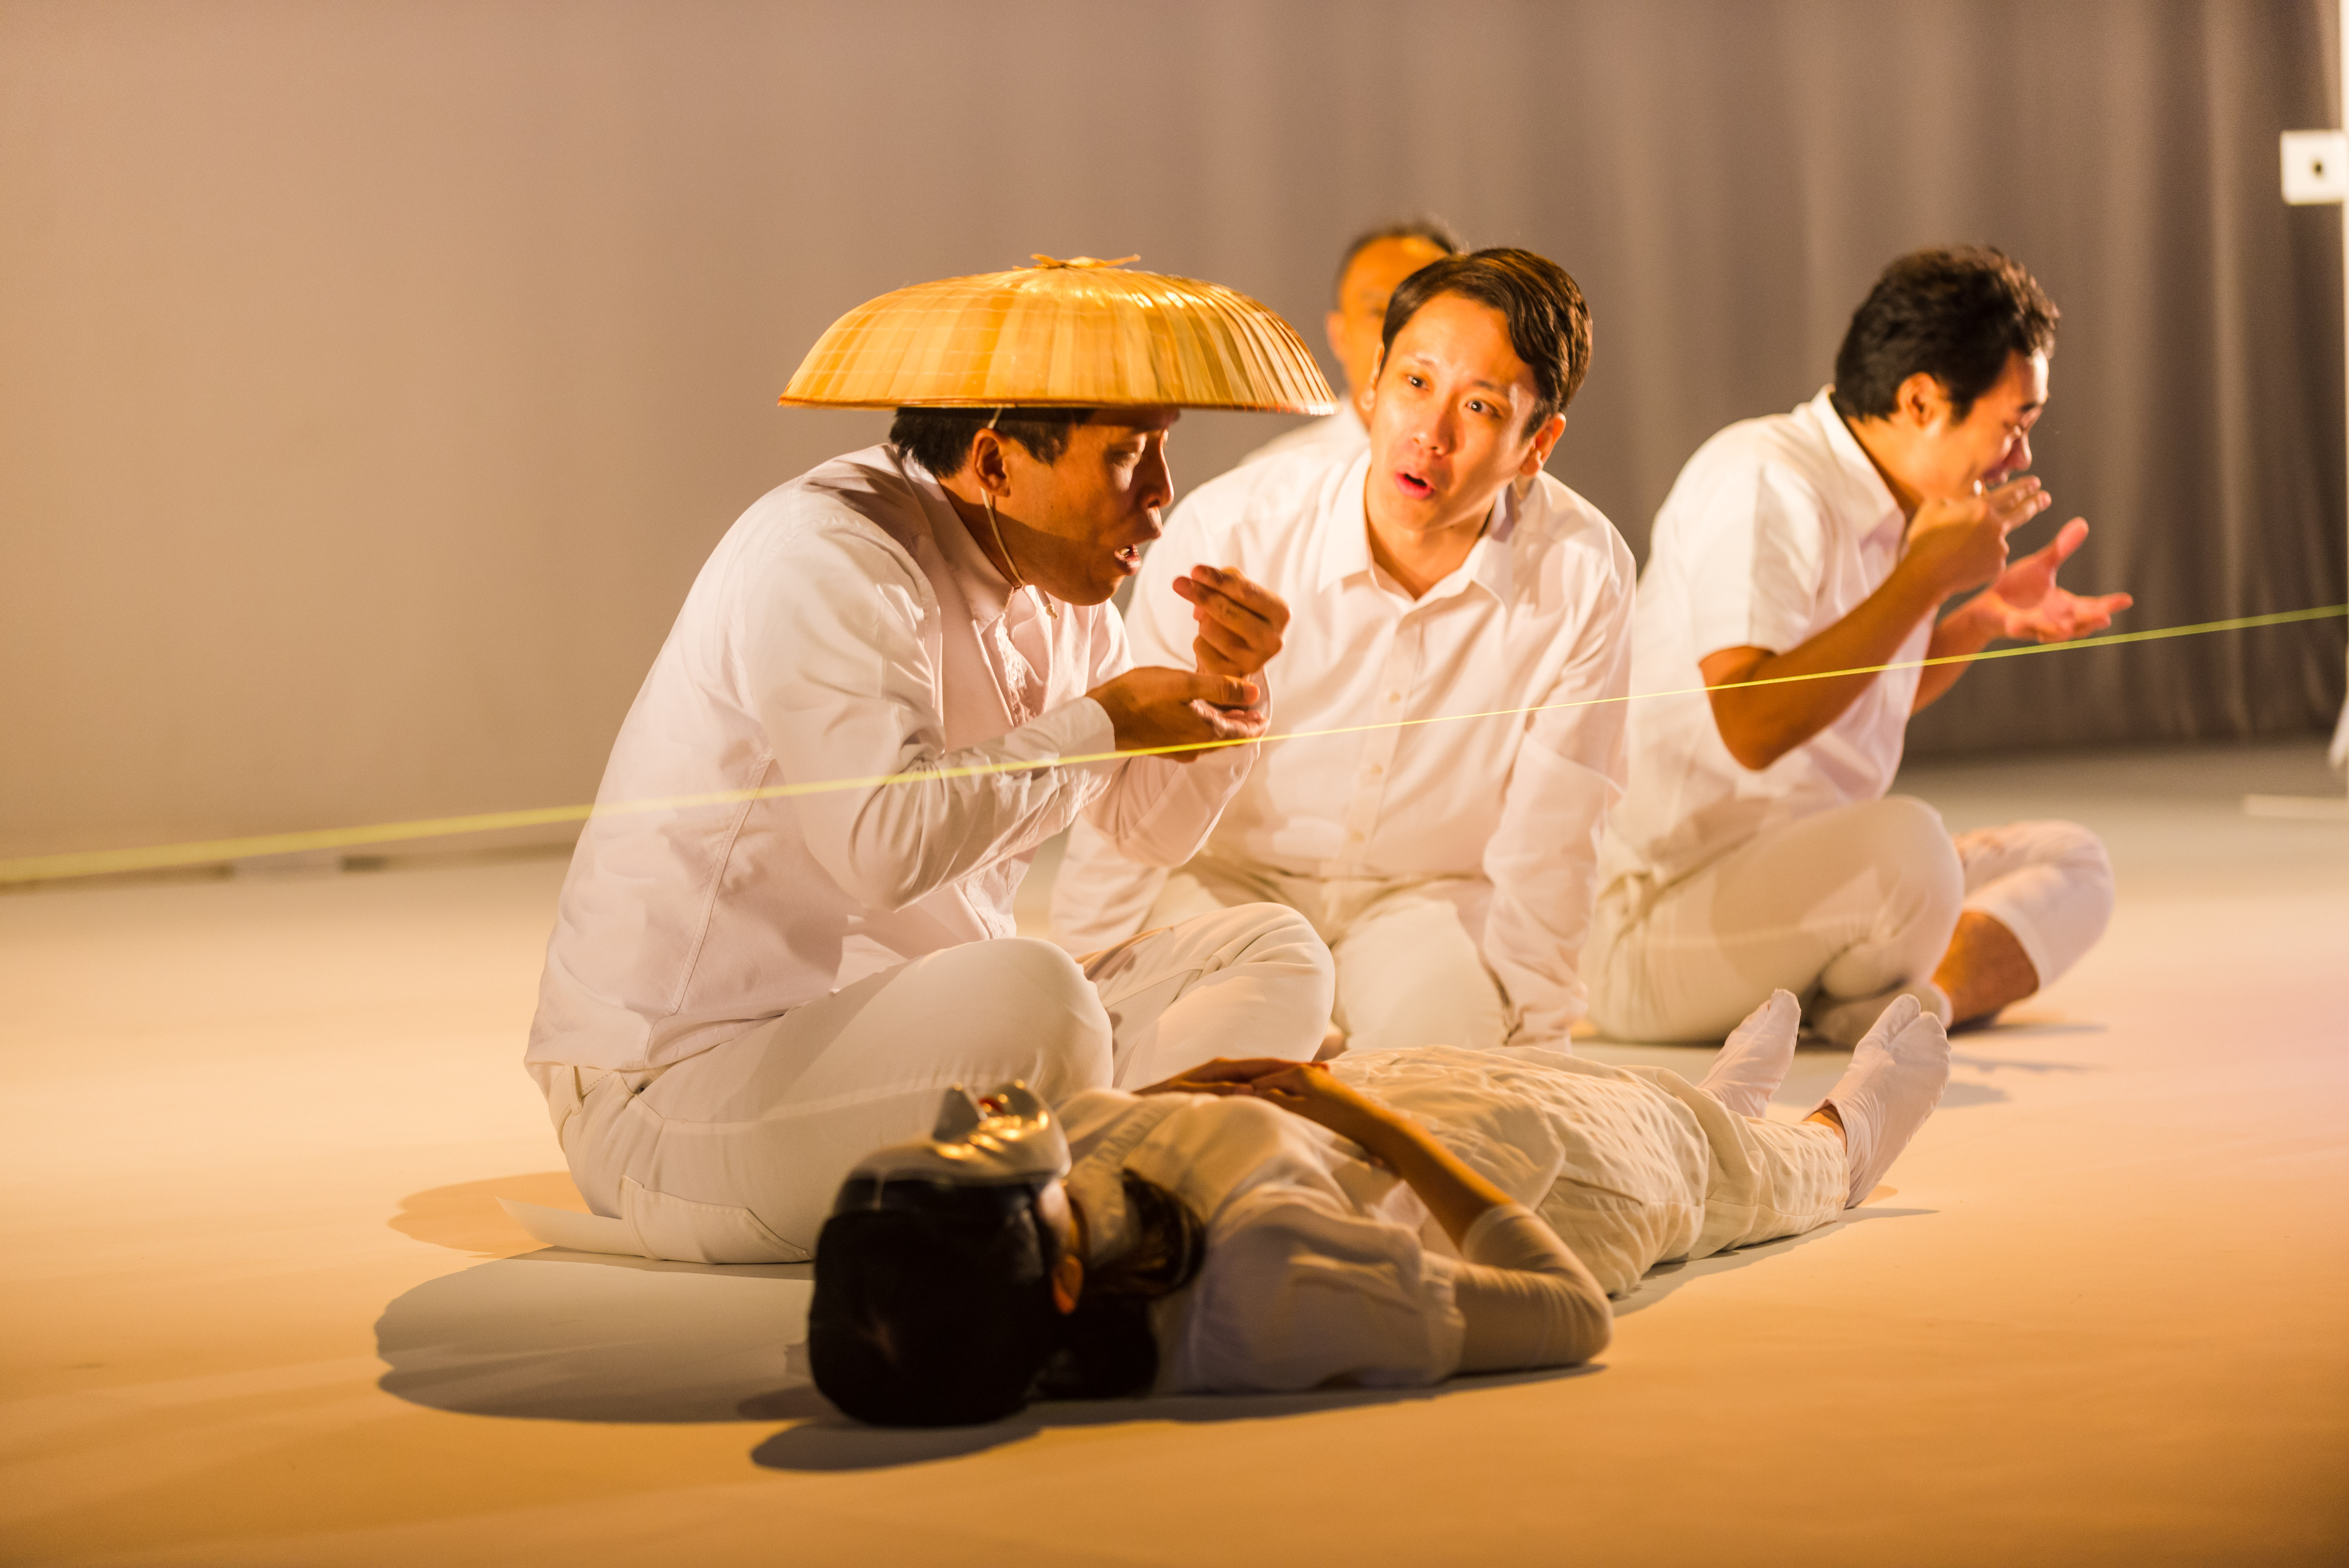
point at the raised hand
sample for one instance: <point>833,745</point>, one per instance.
<point>1150,708</point>
<point>1957,543</point>
<point>1239,623</point>
<point>2030,607</point>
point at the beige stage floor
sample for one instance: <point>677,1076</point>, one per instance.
<point>261,1309</point>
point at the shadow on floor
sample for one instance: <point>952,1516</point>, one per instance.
<point>466,1218</point>
<point>580,1336</point>
<point>1665,1278</point>
<point>832,1442</point>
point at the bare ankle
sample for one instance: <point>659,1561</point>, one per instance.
<point>1828,1116</point>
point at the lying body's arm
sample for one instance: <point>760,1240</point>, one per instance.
<point>1527,1301</point>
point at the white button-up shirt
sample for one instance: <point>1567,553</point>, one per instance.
<point>846,629</point>
<point>1414,779</point>
<point>1775,529</point>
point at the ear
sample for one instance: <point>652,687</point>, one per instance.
<point>1370,394</point>
<point>1545,441</point>
<point>989,466</point>
<point>1333,327</point>
<point>1068,1282</point>
<point>1921,401</point>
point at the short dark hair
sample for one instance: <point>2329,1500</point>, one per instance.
<point>1549,324</point>
<point>1426,226</point>
<point>1956,313</point>
<point>939,438</point>
<point>935,1309</point>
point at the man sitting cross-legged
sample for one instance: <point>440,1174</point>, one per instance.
<point>1757,847</point>
<point>1452,671</point>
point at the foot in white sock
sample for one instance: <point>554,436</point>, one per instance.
<point>1842,1021</point>
<point>1896,1079</point>
<point>1754,1060</point>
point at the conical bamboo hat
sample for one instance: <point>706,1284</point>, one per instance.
<point>1080,333</point>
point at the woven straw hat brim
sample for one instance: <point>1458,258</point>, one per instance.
<point>1077,334</point>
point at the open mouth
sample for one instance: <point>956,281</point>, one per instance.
<point>1412,485</point>
<point>1129,558</point>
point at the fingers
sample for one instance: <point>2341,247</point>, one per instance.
<point>2016,502</point>
<point>2068,538</point>
<point>1223,691</point>
<point>1240,621</point>
<point>1227,583</point>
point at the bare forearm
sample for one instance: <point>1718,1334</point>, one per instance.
<point>1761,722</point>
<point>1453,1192</point>
<point>1960,632</point>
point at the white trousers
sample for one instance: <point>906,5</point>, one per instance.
<point>736,1154</point>
<point>1847,903</point>
<point>1408,973</point>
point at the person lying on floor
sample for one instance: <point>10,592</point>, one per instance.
<point>1273,1226</point>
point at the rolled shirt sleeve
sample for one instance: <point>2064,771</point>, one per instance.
<point>1754,581</point>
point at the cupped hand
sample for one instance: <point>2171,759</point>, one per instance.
<point>1239,623</point>
<point>1154,709</point>
<point>1959,543</point>
<point>2030,605</point>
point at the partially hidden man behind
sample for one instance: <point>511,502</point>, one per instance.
<point>1453,675</point>
<point>1372,268</point>
<point>1757,847</point>
<point>865,689</point>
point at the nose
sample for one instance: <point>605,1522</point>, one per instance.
<point>1434,430</point>
<point>1154,485</point>
<point>2018,455</point>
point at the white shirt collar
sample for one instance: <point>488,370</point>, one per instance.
<point>1343,539</point>
<point>1867,492</point>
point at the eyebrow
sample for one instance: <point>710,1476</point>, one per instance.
<point>1501,387</point>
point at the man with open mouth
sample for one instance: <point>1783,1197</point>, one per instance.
<point>1451,681</point>
<point>788,927</point>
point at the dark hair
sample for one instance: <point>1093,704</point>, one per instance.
<point>1956,313</point>
<point>1426,226</point>
<point>939,438</point>
<point>1549,324</point>
<point>937,1310</point>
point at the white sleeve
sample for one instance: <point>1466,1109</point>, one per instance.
<point>1543,857</point>
<point>1523,1298</point>
<point>1300,1292</point>
<point>1755,556</point>
<point>839,674</point>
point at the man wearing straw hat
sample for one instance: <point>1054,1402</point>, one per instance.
<point>1452,685</point>
<point>788,927</point>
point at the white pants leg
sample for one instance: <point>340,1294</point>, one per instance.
<point>2050,883</point>
<point>1847,903</point>
<point>735,1155</point>
<point>1408,973</point>
<point>1768,1179</point>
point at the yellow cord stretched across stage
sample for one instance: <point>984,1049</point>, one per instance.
<point>208,851</point>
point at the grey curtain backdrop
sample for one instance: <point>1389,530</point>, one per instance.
<point>373,376</point>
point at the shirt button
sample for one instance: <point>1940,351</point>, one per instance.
<point>1374,770</point>
<point>1353,838</point>
<point>1394,696</point>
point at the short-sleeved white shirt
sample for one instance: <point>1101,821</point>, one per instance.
<point>1775,529</point>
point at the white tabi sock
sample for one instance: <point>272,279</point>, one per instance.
<point>1844,1022</point>
<point>1896,1079</point>
<point>1754,1060</point>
